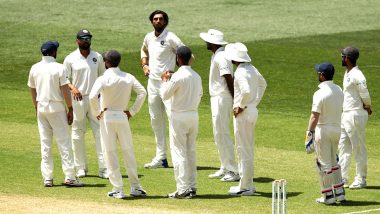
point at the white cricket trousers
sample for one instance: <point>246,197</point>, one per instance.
<point>110,133</point>
<point>326,145</point>
<point>157,111</point>
<point>183,129</point>
<point>50,124</point>
<point>82,111</point>
<point>244,126</point>
<point>221,117</point>
<point>352,140</point>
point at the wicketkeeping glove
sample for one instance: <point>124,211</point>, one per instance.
<point>309,142</point>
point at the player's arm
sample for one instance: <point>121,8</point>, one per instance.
<point>66,95</point>
<point>145,60</point>
<point>230,83</point>
<point>141,95</point>
<point>33,92</point>
<point>364,94</point>
<point>313,121</point>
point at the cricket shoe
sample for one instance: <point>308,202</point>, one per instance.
<point>73,183</point>
<point>48,183</point>
<point>157,164</point>
<point>81,173</point>
<point>193,192</point>
<point>236,191</point>
<point>138,192</point>
<point>340,195</point>
<point>358,184</point>
<point>328,200</point>
<point>185,195</point>
<point>103,173</point>
<point>231,176</point>
<point>116,194</point>
<point>218,174</point>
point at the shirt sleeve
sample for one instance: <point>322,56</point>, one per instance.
<point>141,94</point>
<point>144,49</point>
<point>168,88</point>
<point>317,103</point>
<point>261,87</point>
<point>63,77</point>
<point>94,95</point>
<point>243,87</point>
<point>101,67</point>
<point>175,42</point>
<point>31,81</point>
<point>67,65</point>
<point>361,84</point>
<point>224,65</point>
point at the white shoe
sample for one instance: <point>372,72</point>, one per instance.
<point>138,192</point>
<point>157,164</point>
<point>73,183</point>
<point>218,174</point>
<point>358,185</point>
<point>81,173</point>
<point>328,200</point>
<point>103,173</point>
<point>236,191</point>
<point>116,194</point>
<point>185,195</point>
<point>230,176</point>
<point>48,183</point>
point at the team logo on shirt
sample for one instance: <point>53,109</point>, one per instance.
<point>94,60</point>
<point>162,42</point>
<point>348,79</point>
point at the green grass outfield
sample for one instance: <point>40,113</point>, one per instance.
<point>284,38</point>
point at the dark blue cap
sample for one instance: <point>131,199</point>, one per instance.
<point>325,68</point>
<point>48,47</point>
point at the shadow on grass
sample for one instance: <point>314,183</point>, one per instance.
<point>269,194</point>
<point>85,185</point>
<point>207,168</point>
<point>263,180</point>
<point>373,187</point>
<point>349,203</point>
<point>214,196</point>
<point>126,176</point>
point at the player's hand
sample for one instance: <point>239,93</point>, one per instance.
<point>76,94</point>
<point>128,114</point>
<point>166,75</point>
<point>368,109</point>
<point>146,70</point>
<point>237,111</point>
<point>309,142</point>
<point>70,116</point>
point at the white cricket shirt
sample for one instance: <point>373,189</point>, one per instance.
<point>328,102</point>
<point>355,90</point>
<point>84,71</point>
<point>184,89</point>
<point>162,52</point>
<point>115,88</point>
<point>219,66</point>
<point>46,77</point>
<point>249,86</point>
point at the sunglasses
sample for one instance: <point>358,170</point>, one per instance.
<point>87,39</point>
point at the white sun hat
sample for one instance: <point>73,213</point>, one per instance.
<point>237,52</point>
<point>213,37</point>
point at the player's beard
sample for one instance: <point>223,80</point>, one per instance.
<point>159,29</point>
<point>85,46</point>
<point>344,62</point>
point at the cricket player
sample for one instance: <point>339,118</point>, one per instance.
<point>115,88</point>
<point>249,88</point>
<point>356,108</point>
<point>324,131</point>
<point>48,85</point>
<point>84,66</point>
<point>184,89</point>
<point>157,56</point>
<point>221,88</point>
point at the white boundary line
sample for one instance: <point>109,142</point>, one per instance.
<point>364,211</point>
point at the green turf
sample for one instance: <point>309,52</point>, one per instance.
<point>285,39</point>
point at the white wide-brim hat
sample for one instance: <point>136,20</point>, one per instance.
<point>213,37</point>
<point>237,52</point>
